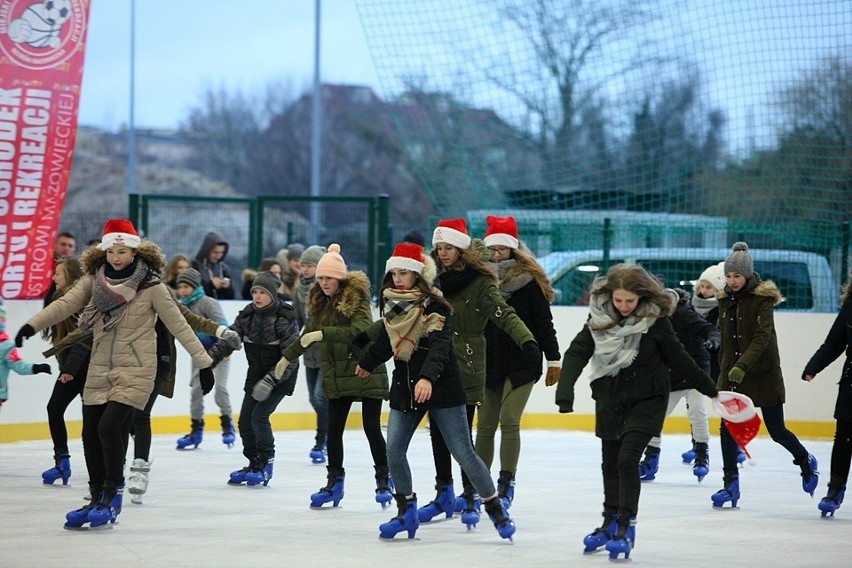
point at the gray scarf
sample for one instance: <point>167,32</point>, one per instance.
<point>110,297</point>
<point>704,305</point>
<point>616,340</point>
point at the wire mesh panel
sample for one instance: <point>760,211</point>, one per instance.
<point>684,124</point>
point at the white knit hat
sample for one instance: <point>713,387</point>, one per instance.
<point>715,275</point>
<point>452,232</point>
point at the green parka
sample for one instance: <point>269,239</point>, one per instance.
<point>476,300</point>
<point>747,324</point>
<point>340,318</point>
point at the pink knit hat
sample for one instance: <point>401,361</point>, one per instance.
<point>332,264</point>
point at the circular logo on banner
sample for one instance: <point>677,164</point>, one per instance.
<point>41,34</point>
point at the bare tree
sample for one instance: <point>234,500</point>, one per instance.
<point>566,36</point>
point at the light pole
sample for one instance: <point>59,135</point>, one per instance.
<point>316,130</point>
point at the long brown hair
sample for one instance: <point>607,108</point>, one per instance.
<point>526,262</point>
<point>475,257</point>
<point>73,272</point>
<point>634,278</point>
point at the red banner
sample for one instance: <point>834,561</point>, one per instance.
<point>41,67</point>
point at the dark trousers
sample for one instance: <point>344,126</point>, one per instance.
<point>441,453</point>
<point>141,422</point>
<point>61,397</point>
<point>106,428</point>
<point>620,467</point>
<point>841,451</point>
<point>371,413</point>
<point>255,427</point>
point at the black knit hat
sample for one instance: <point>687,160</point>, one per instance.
<point>268,282</point>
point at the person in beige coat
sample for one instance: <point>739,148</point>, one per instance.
<point>121,296</point>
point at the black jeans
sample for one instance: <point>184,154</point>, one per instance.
<point>620,466</point>
<point>441,453</point>
<point>62,396</point>
<point>105,431</point>
<point>371,414</point>
<point>841,451</point>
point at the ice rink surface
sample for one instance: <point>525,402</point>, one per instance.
<point>190,517</point>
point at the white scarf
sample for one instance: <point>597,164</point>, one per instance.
<point>616,344</point>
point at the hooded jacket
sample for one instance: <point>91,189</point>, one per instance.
<point>340,318</point>
<point>747,324</point>
<point>210,270</point>
<point>124,360</point>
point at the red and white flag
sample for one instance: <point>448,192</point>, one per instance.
<point>41,67</point>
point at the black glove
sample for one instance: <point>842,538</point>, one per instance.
<point>41,368</point>
<point>25,332</point>
<point>359,342</point>
<point>531,351</point>
<point>712,344</point>
<point>207,379</point>
<point>263,388</point>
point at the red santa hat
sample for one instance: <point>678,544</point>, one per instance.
<point>119,232</point>
<point>452,232</point>
<point>409,256</point>
<point>501,231</point>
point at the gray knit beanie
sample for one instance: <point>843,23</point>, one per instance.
<point>739,260</point>
<point>190,276</point>
<point>312,255</point>
<point>268,282</point>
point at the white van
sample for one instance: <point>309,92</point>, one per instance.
<point>804,278</point>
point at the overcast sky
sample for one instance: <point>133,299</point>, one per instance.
<point>185,46</point>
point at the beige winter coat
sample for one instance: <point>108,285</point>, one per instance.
<point>124,360</point>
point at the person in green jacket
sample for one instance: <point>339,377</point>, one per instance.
<point>338,308</point>
<point>632,347</point>
<point>470,286</point>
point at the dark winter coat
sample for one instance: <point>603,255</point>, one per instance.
<point>476,301</point>
<point>747,324</point>
<point>433,359</point>
<point>504,357</point>
<point>692,330</point>
<point>340,318</point>
<point>265,335</point>
<point>838,340</point>
<point>209,270</point>
<point>636,399</point>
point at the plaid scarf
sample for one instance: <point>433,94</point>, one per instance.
<point>405,321</point>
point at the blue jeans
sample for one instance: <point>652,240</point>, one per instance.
<point>453,424</point>
<point>255,428</point>
<point>319,402</point>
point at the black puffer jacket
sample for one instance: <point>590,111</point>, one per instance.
<point>503,356</point>
<point>693,331</point>
<point>839,339</point>
<point>433,360</point>
<point>265,335</point>
<point>635,399</point>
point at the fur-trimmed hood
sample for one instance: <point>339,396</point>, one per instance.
<point>354,290</point>
<point>93,258</point>
<point>758,287</point>
<point>248,275</point>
